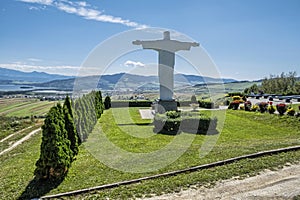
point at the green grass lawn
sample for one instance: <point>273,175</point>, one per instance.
<point>243,133</point>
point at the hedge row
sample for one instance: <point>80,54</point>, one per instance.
<point>206,104</point>
<point>119,104</point>
<point>87,110</point>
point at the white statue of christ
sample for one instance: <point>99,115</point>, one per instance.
<point>166,56</point>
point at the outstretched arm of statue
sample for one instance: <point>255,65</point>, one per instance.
<point>195,44</point>
<point>137,42</point>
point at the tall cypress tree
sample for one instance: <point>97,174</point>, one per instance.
<point>55,156</point>
<point>107,102</point>
<point>70,126</point>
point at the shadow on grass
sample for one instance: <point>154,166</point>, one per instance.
<point>134,124</point>
<point>37,188</point>
<point>191,131</point>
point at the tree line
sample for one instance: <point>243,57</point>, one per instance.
<point>285,84</point>
<point>63,131</point>
<point>88,109</point>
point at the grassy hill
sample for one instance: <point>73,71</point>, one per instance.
<point>243,133</point>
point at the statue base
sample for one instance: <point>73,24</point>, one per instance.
<point>162,106</point>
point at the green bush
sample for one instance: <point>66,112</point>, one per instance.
<point>164,124</point>
<point>201,125</point>
<point>206,104</point>
<point>231,94</point>
<point>191,122</point>
<point>172,114</point>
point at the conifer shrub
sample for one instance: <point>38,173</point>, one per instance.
<point>56,155</point>
<point>193,99</point>
<point>107,102</point>
<point>61,130</point>
<point>70,127</point>
<point>88,109</point>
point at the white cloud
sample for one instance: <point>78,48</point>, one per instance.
<point>44,2</point>
<point>82,3</point>
<point>34,59</point>
<point>130,63</point>
<point>66,8</point>
<point>82,9</point>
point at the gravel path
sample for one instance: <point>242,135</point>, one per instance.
<point>281,184</point>
<point>9,136</point>
<point>20,141</point>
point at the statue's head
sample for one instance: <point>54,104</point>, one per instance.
<point>167,35</point>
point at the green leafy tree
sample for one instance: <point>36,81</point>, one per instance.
<point>285,83</point>
<point>55,155</point>
<point>252,89</point>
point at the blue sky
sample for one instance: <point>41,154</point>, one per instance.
<point>246,39</point>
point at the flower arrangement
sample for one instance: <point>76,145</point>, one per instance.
<point>242,107</point>
<point>236,98</point>
<point>247,105</point>
<point>263,107</point>
<point>254,108</point>
<point>234,105</point>
<point>291,111</point>
<point>281,108</point>
<point>271,109</point>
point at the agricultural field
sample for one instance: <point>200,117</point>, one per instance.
<point>242,133</point>
<point>21,107</point>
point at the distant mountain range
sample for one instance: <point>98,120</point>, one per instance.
<point>120,81</point>
<point>124,81</point>
<point>10,75</point>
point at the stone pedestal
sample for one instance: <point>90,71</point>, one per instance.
<point>163,106</point>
